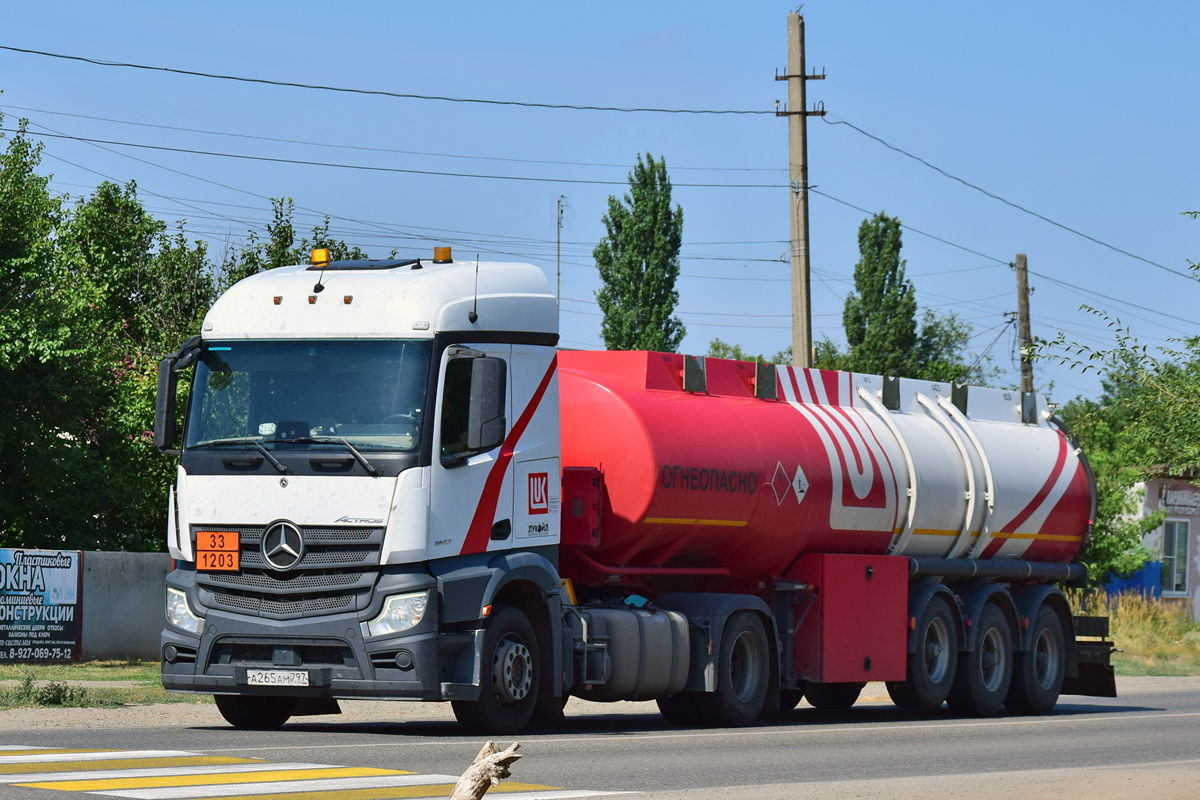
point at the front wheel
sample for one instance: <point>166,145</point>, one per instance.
<point>1038,672</point>
<point>508,690</point>
<point>255,713</point>
<point>743,673</point>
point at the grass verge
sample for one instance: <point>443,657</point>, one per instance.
<point>52,685</point>
<point>1157,638</point>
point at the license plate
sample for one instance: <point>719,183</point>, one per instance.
<point>277,677</point>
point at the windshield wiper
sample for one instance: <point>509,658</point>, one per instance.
<point>275,462</point>
<point>359,457</point>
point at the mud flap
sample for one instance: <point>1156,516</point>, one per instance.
<point>1093,675</point>
<point>315,706</point>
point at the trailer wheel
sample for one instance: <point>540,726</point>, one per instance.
<point>931,666</point>
<point>985,673</point>
<point>832,696</point>
<point>743,672</point>
<point>509,687</point>
<point>255,713</point>
<point>1038,672</point>
<point>680,709</point>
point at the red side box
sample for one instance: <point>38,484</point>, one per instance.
<point>582,489</point>
<point>857,628</point>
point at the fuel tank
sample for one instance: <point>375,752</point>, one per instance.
<point>722,486</point>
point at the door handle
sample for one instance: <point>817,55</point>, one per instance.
<point>501,530</point>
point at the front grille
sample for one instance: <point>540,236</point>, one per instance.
<point>339,567</point>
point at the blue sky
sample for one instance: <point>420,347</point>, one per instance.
<point>1084,113</point>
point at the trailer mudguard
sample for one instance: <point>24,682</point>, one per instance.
<point>708,613</point>
<point>972,598</point>
<point>919,595</point>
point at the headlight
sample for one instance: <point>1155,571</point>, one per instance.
<point>400,612</point>
<point>180,615</point>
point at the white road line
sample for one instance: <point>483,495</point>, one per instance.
<point>153,772</point>
<point>23,747</point>
<point>47,758</point>
<point>858,727</point>
<point>555,795</point>
<point>273,787</point>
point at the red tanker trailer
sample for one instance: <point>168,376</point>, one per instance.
<point>896,530</point>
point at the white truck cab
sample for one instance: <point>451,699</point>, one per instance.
<point>359,436</point>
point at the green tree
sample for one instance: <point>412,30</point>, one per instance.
<point>638,259</point>
<point>880,316</point>
<point>734,352</point>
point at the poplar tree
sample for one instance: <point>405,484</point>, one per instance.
<point>880,316</point>
<point>638,259</point>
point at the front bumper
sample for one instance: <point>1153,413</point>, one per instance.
<point>423,663</point>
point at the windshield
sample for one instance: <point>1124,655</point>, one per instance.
<point>369,393</point>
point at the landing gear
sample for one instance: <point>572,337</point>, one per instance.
<point>509,690</point>
<point>1038,672</point>
<point>743,674</point>
<point>255,713</point>
<point>931,666</point>
<point>984,674</point>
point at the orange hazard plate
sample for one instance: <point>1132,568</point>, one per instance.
<point>218,551</point>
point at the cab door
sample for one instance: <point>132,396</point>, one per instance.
<point>471,487</point>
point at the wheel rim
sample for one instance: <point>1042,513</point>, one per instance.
<point>744,668</point>
<point>512,671</point>
<point>991,660</point>
<point>1046,660</point>
<point>937,650</point>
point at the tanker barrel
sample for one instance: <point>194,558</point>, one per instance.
<point>1009,569</point>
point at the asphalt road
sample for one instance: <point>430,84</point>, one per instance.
<point>1150,733</point>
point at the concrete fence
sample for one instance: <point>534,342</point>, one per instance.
<point>124,600</point>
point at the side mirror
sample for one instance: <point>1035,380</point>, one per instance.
<point>164,405</point>
<point>486,423</point>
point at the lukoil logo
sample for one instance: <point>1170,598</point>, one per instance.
<point>539,492</point>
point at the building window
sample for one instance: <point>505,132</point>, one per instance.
<point>1175,556</point>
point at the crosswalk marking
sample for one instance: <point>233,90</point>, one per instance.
<point>181,775</point>
<point>116,763</point>
<point>90,755</point>
<point>97,774</point>
<point>160,781</point>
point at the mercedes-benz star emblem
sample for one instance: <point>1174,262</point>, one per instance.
<point>282,546</point>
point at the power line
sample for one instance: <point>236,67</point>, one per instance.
<point>370,168</point>
<point>279,140</point>
<point>1007,202</point>
<point>378,92</point>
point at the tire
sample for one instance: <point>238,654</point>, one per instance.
<point>680,709</point>
<point>789,699</point>
<point>255,712</point>
<point>1037,674</point>
<point>549,709</point>
<point>832,696</point>
<point>508,690</point>
<point>743,674</point>
<point>985,673</point>
<point>931,666</point>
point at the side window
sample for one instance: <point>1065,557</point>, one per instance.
<point>456,404</point>
<point>1175,556</point>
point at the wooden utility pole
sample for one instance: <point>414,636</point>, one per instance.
<point>797,115</point>
<point>558,253</point>
<point>1023,334</point>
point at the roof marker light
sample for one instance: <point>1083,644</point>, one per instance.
<point>348,299</point>
<point>278,299</point>
<point>441,255</point>
<point>312,299</point>
<point>320,257</point>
